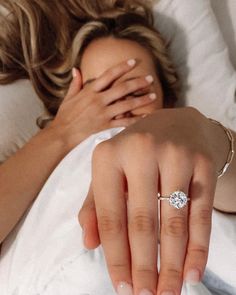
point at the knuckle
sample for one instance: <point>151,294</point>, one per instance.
<point>144,271</point>
<point>171,272</point>
<point>142,222</point>
<point>175,226</point>
<point>118,267</point>
<point>200,253</point>
<point>103,149</point>
<point>202,217</point>
<point>144,141</point>
<point>109,225</point>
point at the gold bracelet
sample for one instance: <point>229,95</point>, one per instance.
<point>231,151</point>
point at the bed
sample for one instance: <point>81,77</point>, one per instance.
<point>30,266</point>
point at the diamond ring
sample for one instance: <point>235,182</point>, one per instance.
<point>176,199</point>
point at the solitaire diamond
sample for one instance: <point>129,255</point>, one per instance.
<point>178,199</point>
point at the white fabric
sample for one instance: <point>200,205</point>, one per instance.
<point>225,13</point>
<point>201,56</point>
<point>45,253</point>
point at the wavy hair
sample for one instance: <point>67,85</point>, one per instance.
<point>43,40</point>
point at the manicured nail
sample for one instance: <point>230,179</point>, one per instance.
<point>153,96</point>
<point>131,62</point>
<point>145,292</point>
<point>167,293</point>
<point>74,73</point>
<point>192,277</point>
<point>124,289</point>
<point>149,78</point>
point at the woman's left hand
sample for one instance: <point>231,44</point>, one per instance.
<point>170,150</point>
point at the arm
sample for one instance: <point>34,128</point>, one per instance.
<point>161,145</point>
<point>82,113</point>
<point>23,175</point>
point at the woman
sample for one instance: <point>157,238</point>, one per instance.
<point>68,129</point>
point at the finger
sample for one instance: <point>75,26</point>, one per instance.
<point>143,219</point>
<point>174,225</point>
<point>125,122</point>
<point>75,85</point>
<point>88,221</point>
<point>202,196</point>
<point>126,88</point>
<point>119,116</point>
<point>125,106</point>
<point>109,192</point>
<point>113,74</point>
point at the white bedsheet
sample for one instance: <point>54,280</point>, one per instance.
<point>44,255</point>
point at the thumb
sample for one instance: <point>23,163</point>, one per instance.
<point>75,85</point>
<point>88,221</point>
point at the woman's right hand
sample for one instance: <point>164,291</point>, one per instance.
<point>95,107</point>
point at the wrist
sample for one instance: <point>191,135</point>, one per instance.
<point>65,138</point>
<point>52,136</point>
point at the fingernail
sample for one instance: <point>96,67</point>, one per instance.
<point>145,292</point>
<point>124,289</point>
<point>168,293</point>
<point>149,78</point>
<point>131,62</point>
<point>74,73</point>
<point>192,277</point>
<point>153,96</point>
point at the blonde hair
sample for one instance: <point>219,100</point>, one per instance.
<point>43,40</point>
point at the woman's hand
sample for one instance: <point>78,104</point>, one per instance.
<point>93,108</point>
<point>170,150</point>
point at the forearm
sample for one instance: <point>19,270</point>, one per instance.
<point>23,175</point>
<point>225,197</point>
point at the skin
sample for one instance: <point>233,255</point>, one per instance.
<point>90,108</point>
<point>124,220</point>
<point>83,112</point>
<point>104,53</point>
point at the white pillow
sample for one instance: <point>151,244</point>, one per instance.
<point>201,56</point>
<point>20,107</point>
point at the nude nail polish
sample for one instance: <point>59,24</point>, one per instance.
<point>124,288</point>
<point>192,277</point>
<point>145,292</point>
<point>131,62</point>
<point>167,293</point>
<point>74,73</point>
<point>153,96</point>
<point>149,78</point>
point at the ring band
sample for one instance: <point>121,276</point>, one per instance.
<point>177,199</point>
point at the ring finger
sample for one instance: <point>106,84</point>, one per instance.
<point>174,229</point>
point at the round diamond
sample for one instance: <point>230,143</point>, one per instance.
<point>178,199</point>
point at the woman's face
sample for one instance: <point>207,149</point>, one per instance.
<point>104,53</point>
